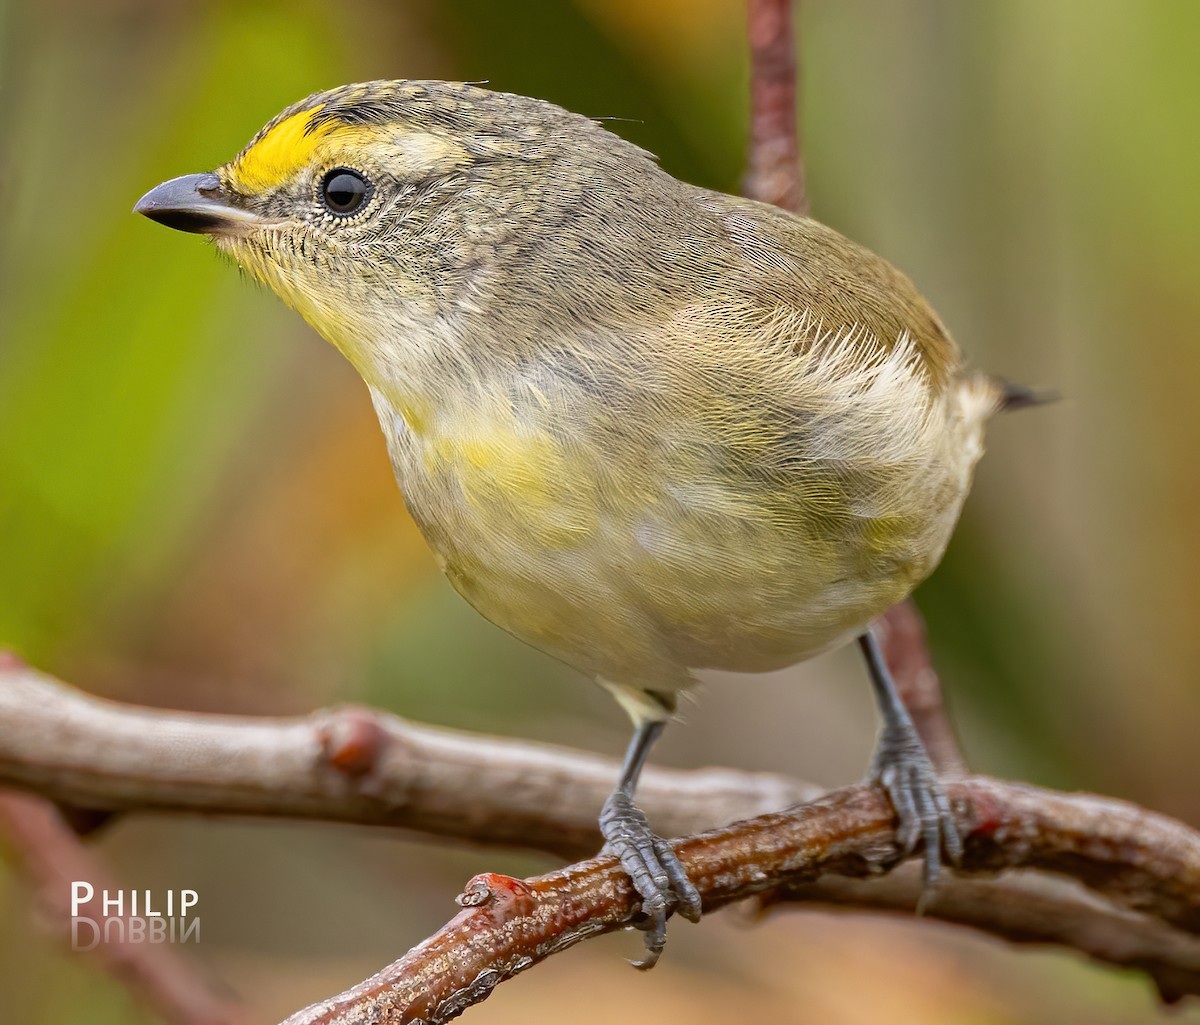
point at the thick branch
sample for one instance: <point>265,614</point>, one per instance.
<point>343,765</point>
<point>508,925</point>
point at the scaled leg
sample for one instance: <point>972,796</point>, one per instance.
<point>657,874</point>
<point>902,767</point>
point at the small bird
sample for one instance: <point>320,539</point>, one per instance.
<point>646,427</point>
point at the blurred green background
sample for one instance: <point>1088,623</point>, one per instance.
<point>196,508</point>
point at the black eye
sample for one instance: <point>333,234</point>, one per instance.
<point>343,191</point>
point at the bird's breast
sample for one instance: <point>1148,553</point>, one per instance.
<point>641,549</point>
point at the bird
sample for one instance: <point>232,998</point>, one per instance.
<point>648,428</point>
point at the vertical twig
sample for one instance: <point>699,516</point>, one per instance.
<point>902,633</point>
<point>775,166</point>
<point>775,174</point>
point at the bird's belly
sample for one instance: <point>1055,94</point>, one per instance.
<point>643,583</point>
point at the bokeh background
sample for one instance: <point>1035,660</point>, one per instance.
<point>196,508</point>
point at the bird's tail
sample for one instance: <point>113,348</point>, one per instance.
<point>1015,396</point>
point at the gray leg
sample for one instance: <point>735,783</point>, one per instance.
<point>906,774</point>
<point>657,874</point>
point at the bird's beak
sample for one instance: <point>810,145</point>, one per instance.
<point>198,203</point>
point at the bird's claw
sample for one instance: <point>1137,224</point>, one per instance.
<point>656,871</point>
<point>904,771</point>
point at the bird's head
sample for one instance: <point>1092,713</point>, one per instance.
<point>370,207</point>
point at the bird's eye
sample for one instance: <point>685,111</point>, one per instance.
<point>343,191</point>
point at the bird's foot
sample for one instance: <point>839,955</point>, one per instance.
<point>656,871</point>
<point>903,769</point>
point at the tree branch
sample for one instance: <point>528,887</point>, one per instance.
<point>343,765</point>
<point>774,167</point>
<point>1032,908</point>
<point>369,767</point>
<point>508,925</point>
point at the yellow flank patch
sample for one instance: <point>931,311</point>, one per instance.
<point>523,477</point>
<point>279,154</point>
<point>504,463</point>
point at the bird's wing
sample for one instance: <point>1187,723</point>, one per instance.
<point>796,264</point>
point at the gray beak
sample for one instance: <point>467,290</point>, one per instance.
<point>197,203</point>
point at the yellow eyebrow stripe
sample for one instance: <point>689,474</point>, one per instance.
<point>277,156</point>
